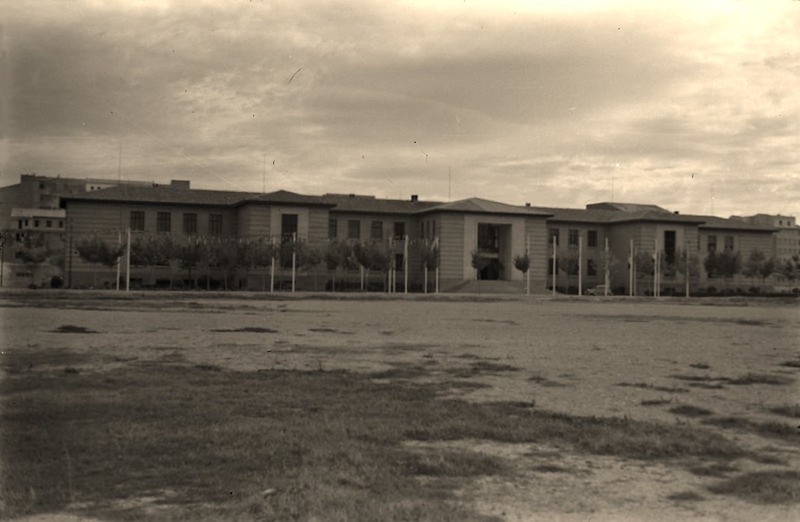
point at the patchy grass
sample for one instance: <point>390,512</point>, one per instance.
<point>787,410</point>
<point>688,410</point>
<point>763,487</point>
<point>251,329</point>
<point>325,445</point>
<point>777,430</point>
<point>71,328</point>
<point>481,368</point>
<point>715,469</point>
<point>331,330</point>
<point>685,496</point>
<point>655,402</point>
<point>648,386</point>
<point>700,366</point>
<point>42,359</point>
<point>762,378</point>
<point>550,468</point>
<point>544,381</point>
<point>709,381</point>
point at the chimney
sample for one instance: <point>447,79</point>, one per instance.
<point>527,204</point>
<point>414,197</point>
<point>180,184</point>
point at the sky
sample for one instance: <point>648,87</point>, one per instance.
<point>693,106</point>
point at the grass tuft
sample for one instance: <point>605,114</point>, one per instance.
<point>690,411</point>
<point>252,329</point>
<point>777,430</point>
<point>761,378</point>
<point>788,410</point>
<point>763,487</point>
<point>70,328</point>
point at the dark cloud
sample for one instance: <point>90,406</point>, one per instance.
<point>541,104</point>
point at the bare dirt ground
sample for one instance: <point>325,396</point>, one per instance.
<point>619,358</point>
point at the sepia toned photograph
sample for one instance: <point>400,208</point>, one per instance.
<point>351,260</point>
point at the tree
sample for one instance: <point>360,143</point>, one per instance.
<point>225,253</point>
<point>758,265</point>
<point>523,263</point>
<point>723,264</point>
<point>152,251</point>
<point>791,268</point>
<point>338,254</point>
<point>479,262</point>
<point>370,256</point>
<point>190,253</point>
<point>308,257</point>
<point>263,253</point>
<point>429,256</point>
<point>97,251</point>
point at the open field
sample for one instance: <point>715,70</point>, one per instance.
<point>187,406</point>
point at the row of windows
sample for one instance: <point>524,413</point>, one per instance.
<point>711,244</point>
<point>48,223</point>
<point>375,229</point>
<point>164,222</point>
<point>572,237</point>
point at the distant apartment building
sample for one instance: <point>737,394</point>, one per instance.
<point>786,240</point>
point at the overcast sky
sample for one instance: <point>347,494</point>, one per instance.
<point>694,106</point>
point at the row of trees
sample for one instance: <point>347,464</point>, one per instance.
<point>234,258</point>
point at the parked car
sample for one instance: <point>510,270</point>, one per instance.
<point>598,290</point>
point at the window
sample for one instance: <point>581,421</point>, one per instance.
<point>669,246</point>
<point>190,223</point>
<point>552,236</point>
<point>164,222</point>
<point>591,267</point>
<point>215,224</point>
<point>376,230</point>
<point>728,243</point>
<point>572,239</point>
<point>591,238</point>
<point>36,223</point>
<point>712,244</point>
<point>49,223</point>
<point>399,230</point>
<point>398,262</point>
<point>288,227</point>
<point>353,229</point>
<point>332,226</point>
<point>488,238</point>
<point>137,219</point>
<point>60,224</point>
<point>19,224</point>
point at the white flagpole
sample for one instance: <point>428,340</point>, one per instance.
<point>128,263</point>
<point>294,259</point>
<point>405,264</point>
<point>119,258</point>
<point>555,263</point>
<point>580,265</point>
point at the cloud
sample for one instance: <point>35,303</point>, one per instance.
<point>539,102</point>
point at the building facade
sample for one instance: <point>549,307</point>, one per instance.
<point>476,239</point>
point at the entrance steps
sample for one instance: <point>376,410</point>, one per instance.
<point>491,287</point>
